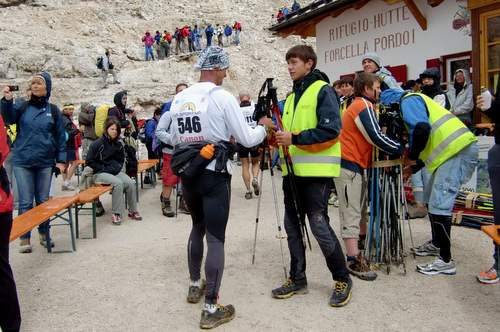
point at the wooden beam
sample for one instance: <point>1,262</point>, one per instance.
<point>360,4</point>
<point>434,3</point>
<point>422,21</point>
<point>473,4</point>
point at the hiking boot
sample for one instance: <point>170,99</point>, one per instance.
<point>222,314</point>
<point>183,207</point>
<point>426,249</point>
<point>166,208</point>
<point>116,219</point>
<point>147,180</point>
<point>134,215</point>
<point>43,240</point>
<point>437,267</point>
<point>341,293</point>
<point>248,195</point>
<point>288,289</point>
<point>417,210</point>
<point>360,268</point>
<point>255,185</point>
<point>195,293</point>
<point>488,277</point>
<point>25,246</point>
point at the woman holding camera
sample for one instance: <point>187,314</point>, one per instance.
<point>106,157</point>
<point>39,146</point>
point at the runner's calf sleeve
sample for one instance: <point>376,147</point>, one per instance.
<point>214,268</point>
<point>195,251</point>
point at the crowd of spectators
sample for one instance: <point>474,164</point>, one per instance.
<point>188,39</point>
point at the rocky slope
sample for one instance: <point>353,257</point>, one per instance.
<point>66,36</point>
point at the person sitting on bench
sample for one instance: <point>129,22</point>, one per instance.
<point>106,157</point>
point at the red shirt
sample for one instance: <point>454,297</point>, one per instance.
<point>6,198</point>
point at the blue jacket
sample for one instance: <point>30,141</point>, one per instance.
<point>228,31</point>
<point>41,139</point>
<point>209,31</point>
<point>149,129</point>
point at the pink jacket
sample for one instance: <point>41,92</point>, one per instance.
<point>148,40</point>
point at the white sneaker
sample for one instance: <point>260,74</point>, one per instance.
<point>437,267</point>
<point>25,246</point>
<point>426,249</point>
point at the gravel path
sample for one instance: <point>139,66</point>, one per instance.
<point>134,277</point>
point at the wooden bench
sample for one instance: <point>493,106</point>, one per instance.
<point>147,166</point>
<point>89,195</point>
<point>55,208</point>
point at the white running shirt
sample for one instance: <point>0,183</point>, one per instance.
<point>206,112</point>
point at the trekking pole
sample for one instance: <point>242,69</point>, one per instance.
<point>278,223</point>
<point>405,210</point>
<point>272,104</point>
<point>261,176</point>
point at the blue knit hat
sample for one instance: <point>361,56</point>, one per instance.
<point>212,58</point>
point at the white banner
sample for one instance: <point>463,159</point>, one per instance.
<point>393,33</point>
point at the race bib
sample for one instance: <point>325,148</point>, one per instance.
<point>248,114</point>
<point>190,118</point>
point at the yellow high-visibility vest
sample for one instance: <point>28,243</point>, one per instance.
<point>448,134</point>
<point>323,163</point>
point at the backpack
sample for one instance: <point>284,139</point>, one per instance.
<point>130,160</point>
<point>11,133</point>
<point>99,62</point>
<point>101,114</point>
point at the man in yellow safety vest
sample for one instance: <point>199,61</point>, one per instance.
<point>309,139</point>
<point>449,150</point>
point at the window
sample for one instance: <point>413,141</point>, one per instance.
<point>489,23</point>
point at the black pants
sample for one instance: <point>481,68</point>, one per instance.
<point>494,172</point>
<point>208,198</point>
<point>313,196</point>
<point>10,316</point>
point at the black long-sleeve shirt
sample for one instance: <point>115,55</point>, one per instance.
<point>494,114</point>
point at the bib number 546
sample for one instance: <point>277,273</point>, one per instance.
<point>190,124</point>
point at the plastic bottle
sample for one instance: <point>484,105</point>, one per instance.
<point>486,95</point>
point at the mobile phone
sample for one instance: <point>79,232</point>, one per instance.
<point>13,87</point>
